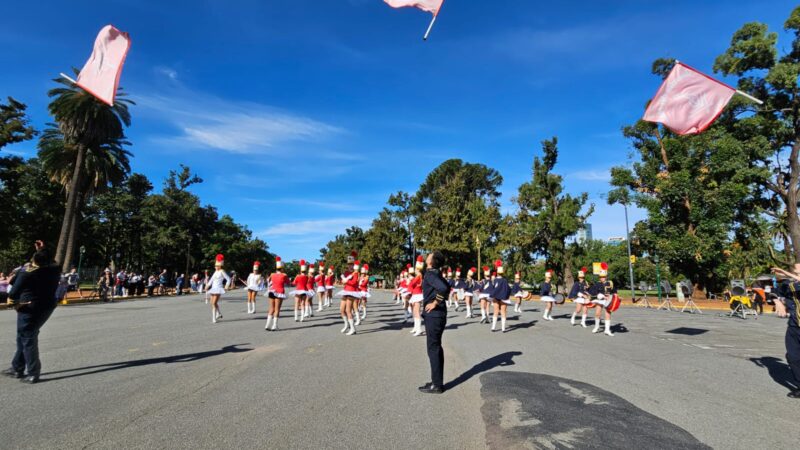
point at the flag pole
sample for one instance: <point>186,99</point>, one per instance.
<point>748,96</point>
<point>68,78</point>
<point>430,27</point>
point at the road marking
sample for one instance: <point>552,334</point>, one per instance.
<point>157,344</point>
<point>131,350</point>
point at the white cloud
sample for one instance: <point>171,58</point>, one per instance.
<point>321,204</point>
<point>591,175</point>
<point>172,74</point>
<point>322,227</point>
<point>205,121</point>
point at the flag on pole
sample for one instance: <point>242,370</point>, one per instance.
<point>431,6</point>
<point>688,101</point>
<point>100,75</point>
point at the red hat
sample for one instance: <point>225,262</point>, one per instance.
<point>494,274</point>
<point>311,267</point>
<point>321,264</point>
<point>603,270</point>
<point>256,265</point>
<point>473,269</point>
<point>517,274</point>
<point>486,269</point>
<point>499,265</point>
<point>220,260</point>
<point>278,262</point>
<point>365,268</point>
<point>420,262</point>
<point>302,265</point>
<point>356,264</point>
<point>351,258</point>
<point>583,271</point>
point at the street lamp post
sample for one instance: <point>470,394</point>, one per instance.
<point>82,250</point>
<point>658,277</point>
<point>630,260</point>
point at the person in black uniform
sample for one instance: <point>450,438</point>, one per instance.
<point>788,305</point>
<point>501,292</point>
<point>34,294</point>
<point>579,294</point>
<point>602,291</point>
<point>435,291</point>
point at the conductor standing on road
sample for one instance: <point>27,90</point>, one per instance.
<point>788,305</point>
<point>435,291</point>
<point>34,294</point>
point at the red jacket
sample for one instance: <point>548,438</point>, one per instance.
<point>301,282</point>
<point>415,285</point>
<point>350,281</point>
<point>279,280</point>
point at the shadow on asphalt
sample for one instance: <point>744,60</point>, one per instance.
<point>780,372</point>
<point>688,331</point>
<point>501,360</point>
<point>100,368</point>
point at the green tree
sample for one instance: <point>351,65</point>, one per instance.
<point>548,217</point>
<point>86,125</point>
<point>337,250</point>
<point>772,132</point>
<point>457,210</point>
<point>14,123</point>
<point>385,244</point>
<point>696,191</point>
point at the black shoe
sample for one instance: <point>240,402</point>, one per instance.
<point>11,373</point>
<point>431,389</point>
<point>425,386</point>
<point>30,379</point>
<point>794,394</point>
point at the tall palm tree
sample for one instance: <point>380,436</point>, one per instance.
<point>107,164</point>
<point>86,124</point>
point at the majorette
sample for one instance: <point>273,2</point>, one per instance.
<point>217,287</point>
<point>255,284</point>
<point>276,294</point>
<point>329,280</point>
<point>300,291</point>
<point>363,286</point>
<point>485,286</point>
<point>349,294</point>
<point>605,300</point>
<point>320,282</point>
<point>516,292</point>
<point>547,295</point>
<point>580,295</point>
<point>311,285</point>
<point>501,293</point>
<point>469,290</point>
<point>415,286</point>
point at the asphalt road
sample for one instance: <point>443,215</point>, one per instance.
<point>157,374</point>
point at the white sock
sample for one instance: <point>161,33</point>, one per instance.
<point>503,323</point>
<point>583,320</point>
<point>345,324</point>
<point>352,327</point>
<point>608,328</point>
<point>572,320</point>
<point>213,316</point>
<point>269,319</point>
<point>483,313</point>
<point>295,315</point>
<point>275,323</point>
<point>494,322</point>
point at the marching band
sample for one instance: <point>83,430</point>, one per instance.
<point>495,294</point>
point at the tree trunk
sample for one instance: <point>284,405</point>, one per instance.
<point>73,238</point>
<point>70,207</point>
<point>792,219</point>
<point>569,279</point>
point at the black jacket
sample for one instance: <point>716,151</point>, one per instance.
<point>36,286</point>
<point>435,287</point>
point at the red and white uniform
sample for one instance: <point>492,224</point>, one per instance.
<point>319,280</point>
<point>415,286</point>
<point>300,285</point>
<point>277,283</point>
<point>350,280</point>
<point>363,286</point>
<point>329,282</point>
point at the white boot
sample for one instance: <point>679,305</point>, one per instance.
<point>310,311</point>
<point>583,321</point>
<point>345,324</point>
<point>219,314</point>
<point>503,324</point>
<point>406,316</point>
<point>418,327</point>
<point>275,323</point>
<point>596,326</point>
<point>364,313</point>
<point>494,323</point>
<point>269,319</point>
<point>608,328</point>
<point>319,307</point>
<point>295,314</point>
<point>213,316</point>
<point>572,320</point>
<point>352,328</point>
<point>483,315</point>
<point>357,316</point>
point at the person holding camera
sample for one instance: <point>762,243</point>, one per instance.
<point>788,305</point>
<point>33,294</point>
<point>435,291</point>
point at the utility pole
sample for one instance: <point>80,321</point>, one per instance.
<point>630,258</point>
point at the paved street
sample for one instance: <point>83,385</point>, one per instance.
<point>157,374</point>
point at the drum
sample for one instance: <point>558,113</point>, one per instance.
<point>526,295</point>
<point>461,294</point>
<point>613,305</point>
<point>560,299</point>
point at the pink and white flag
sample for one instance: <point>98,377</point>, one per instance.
<point>688,101</point>
<point>431,6</point>
<point>100,75</point>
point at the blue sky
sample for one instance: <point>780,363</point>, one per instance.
<point>302,116</point>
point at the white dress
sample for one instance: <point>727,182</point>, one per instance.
<point>217,282</point>
<point>255,282</point>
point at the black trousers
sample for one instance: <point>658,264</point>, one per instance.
<point>26,359</point>
<point>793,351</point>
<point>434,328</point>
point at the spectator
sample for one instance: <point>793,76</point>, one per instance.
<point>163,281</point>
<point>151,285</point>
<point>179,285</point>
<point>33,292</point>
<point>193,282</point>
<point>105,286</point>
<point>119,283</point>
<point>4,285</point>
<point>73,280</point>
<point>61,290</point>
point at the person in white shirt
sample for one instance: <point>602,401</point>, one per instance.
<point>216,287</point>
